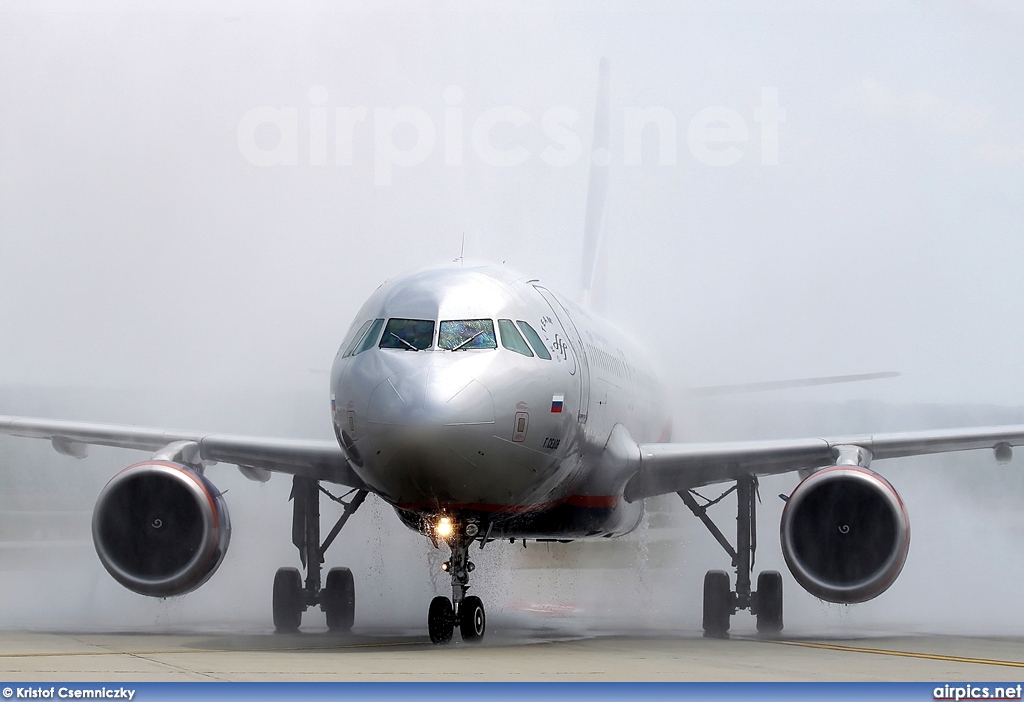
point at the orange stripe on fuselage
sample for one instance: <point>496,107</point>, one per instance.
<point>585,501</point>
<point>594,501</point>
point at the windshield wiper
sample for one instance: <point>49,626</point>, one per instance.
<point>456,348</point>
<point>403,341</point>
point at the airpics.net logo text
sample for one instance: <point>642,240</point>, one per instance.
<point>319,134</point>
<point>971,692</point>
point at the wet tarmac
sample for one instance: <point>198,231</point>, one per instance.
<point>509,655</point>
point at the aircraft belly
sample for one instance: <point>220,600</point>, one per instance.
<point>568,519</point>
<point>456,467</point>
<point>573,519</point>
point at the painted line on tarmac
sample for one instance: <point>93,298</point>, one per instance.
<point>889,652</point>
<point>187,651</point>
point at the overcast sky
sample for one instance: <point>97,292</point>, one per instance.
<point>162,223</point>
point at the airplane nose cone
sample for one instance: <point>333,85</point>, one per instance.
<point>432,435</point>
<point>432,396</point>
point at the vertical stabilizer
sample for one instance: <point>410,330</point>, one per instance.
<point>594,260</point>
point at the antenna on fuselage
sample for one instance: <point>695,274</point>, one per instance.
<point>594,271</point>
<point>461,260</point>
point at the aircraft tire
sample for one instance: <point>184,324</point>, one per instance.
<point>287,600</point>
<point>441,620</point>
<point>717,604</point>
<point>339,599</point>
<point>472,619</point>
<point>769,602</point>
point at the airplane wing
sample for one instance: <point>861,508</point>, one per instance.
<point>667,468</point>
<point>321,460</point>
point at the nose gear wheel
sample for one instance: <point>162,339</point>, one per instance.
<point>466,612</point>
<point>441,620</point>
<point>472,619</point>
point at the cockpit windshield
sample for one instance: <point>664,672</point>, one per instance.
<point>408,334</point>
<point>462,334</point>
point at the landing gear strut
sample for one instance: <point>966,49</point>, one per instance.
<point>337,597</point>
<point>466,612</point>
<point>720,602</point>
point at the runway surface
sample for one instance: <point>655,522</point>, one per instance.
<point>506,655</point>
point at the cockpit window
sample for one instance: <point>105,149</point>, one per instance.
<point>462,334</point>
<point>535,341</point>
<point>367,340</point>
<point>408,334</point>
<point>511,339</point>
<point>354,340</point>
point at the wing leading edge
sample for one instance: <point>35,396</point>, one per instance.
<point>321,460</point>
<point>663,469</point>
<point>667,468</point>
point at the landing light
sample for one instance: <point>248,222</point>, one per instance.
<point>444,528</point>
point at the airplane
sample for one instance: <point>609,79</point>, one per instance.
<point>483,406</point>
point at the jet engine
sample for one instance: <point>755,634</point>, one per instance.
<point>160,528</point>
<point>845,534</point>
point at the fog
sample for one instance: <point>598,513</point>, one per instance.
<point>186,233</point>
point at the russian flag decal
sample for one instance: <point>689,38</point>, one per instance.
<point>556,403</point>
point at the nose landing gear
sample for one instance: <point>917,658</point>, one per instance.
<point>465,612</point>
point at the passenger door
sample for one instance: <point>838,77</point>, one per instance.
<point>568,345</point>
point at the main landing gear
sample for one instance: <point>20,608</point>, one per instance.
<point>720,602</point>
<point>467,613</point>
<point>337,597</point>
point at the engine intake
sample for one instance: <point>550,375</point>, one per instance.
<point>160,528</point>
<point>845,534</point>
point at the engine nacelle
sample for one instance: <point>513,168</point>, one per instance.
<point>845,534</point>
<point>160,528</point>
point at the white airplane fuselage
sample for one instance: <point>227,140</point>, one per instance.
<point>482,406</point>
<point>463,415</point>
